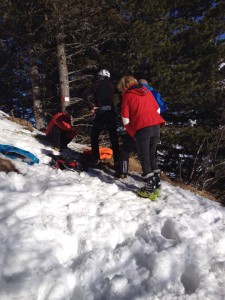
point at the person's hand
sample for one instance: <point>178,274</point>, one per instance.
<point>94,109</point>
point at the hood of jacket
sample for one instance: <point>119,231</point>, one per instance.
<point>137,89</point>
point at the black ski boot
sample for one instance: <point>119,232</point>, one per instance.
<point>148,191</point>
<point>121,170</point>
<point>157,182</point>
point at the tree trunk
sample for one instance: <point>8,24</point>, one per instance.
<point>63,72</point>
<point>38,112</point>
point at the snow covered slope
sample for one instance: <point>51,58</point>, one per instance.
<point>70,236</point>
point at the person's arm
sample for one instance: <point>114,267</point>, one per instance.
<point>125,115</point>
<point>86,94</point>
<point>63,123</point>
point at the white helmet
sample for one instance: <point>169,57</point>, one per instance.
<point>104,73</point>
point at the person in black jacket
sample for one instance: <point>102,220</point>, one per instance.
<point>102,107</point>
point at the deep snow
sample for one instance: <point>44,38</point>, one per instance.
<point>85,236</point>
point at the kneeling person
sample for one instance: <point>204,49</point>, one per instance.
<point>60,131</point>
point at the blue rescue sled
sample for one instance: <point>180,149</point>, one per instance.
<point>14,152</point>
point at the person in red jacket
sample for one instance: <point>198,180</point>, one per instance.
<point>139,112</point>
<point>60,131</point>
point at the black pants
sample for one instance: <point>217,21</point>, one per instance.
<point>104,120</point>
<point>147,141</point>
<point>57,137</point>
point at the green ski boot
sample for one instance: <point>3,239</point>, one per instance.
<point>148,191</point>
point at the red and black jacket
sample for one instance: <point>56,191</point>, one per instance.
<point>61,120</point>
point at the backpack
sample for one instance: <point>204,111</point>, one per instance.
<point>104,152</point>
<point>162,103</point>
<point>67,164</point>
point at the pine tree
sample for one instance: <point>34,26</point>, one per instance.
<point>178,46</point>
<point>80,29</point>
<point>20,24</point>
<point>194,82</point>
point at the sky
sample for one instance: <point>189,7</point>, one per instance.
<point>87,236</point>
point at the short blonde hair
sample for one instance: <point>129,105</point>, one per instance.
<point>125,81</point>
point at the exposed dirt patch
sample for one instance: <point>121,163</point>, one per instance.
<point>7,166</point>
<point>24,123</point>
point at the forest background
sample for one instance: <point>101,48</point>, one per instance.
<point>50,51</point>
